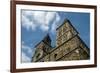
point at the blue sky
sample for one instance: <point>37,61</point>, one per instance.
<point>36,24</point>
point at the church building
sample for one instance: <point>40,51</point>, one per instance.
<point>69,46</point>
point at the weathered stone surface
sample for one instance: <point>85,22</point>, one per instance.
<point>69,46</point>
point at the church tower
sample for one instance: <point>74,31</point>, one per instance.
<point>69,46</point>
<point>42,48</point>
<point>65,32</point>
<point>70,42</point>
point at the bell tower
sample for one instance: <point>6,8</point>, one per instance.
<point>42,48</point>
<point>65,32</point>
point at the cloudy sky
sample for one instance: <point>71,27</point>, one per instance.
<point>36,24</point>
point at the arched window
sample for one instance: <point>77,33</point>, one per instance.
<point>55,56</point>
<point>38,55</point>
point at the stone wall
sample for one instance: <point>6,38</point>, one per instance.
<point>69,46</point>
<point>70,50</point>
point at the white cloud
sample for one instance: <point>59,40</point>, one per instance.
<point>50,16</point>
<point>26,48</point>
<point>25,58</point>
<point>41,19</point>
<point>27,22</point>
<point>55,23</point>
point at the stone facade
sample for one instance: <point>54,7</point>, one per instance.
<point>69,46</point>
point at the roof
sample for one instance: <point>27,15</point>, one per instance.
<point>67,20</point>
<point>43,40</point>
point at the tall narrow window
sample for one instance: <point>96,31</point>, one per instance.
<point>38,55</point>
<point>69,34</point>
<point>55,56</point>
